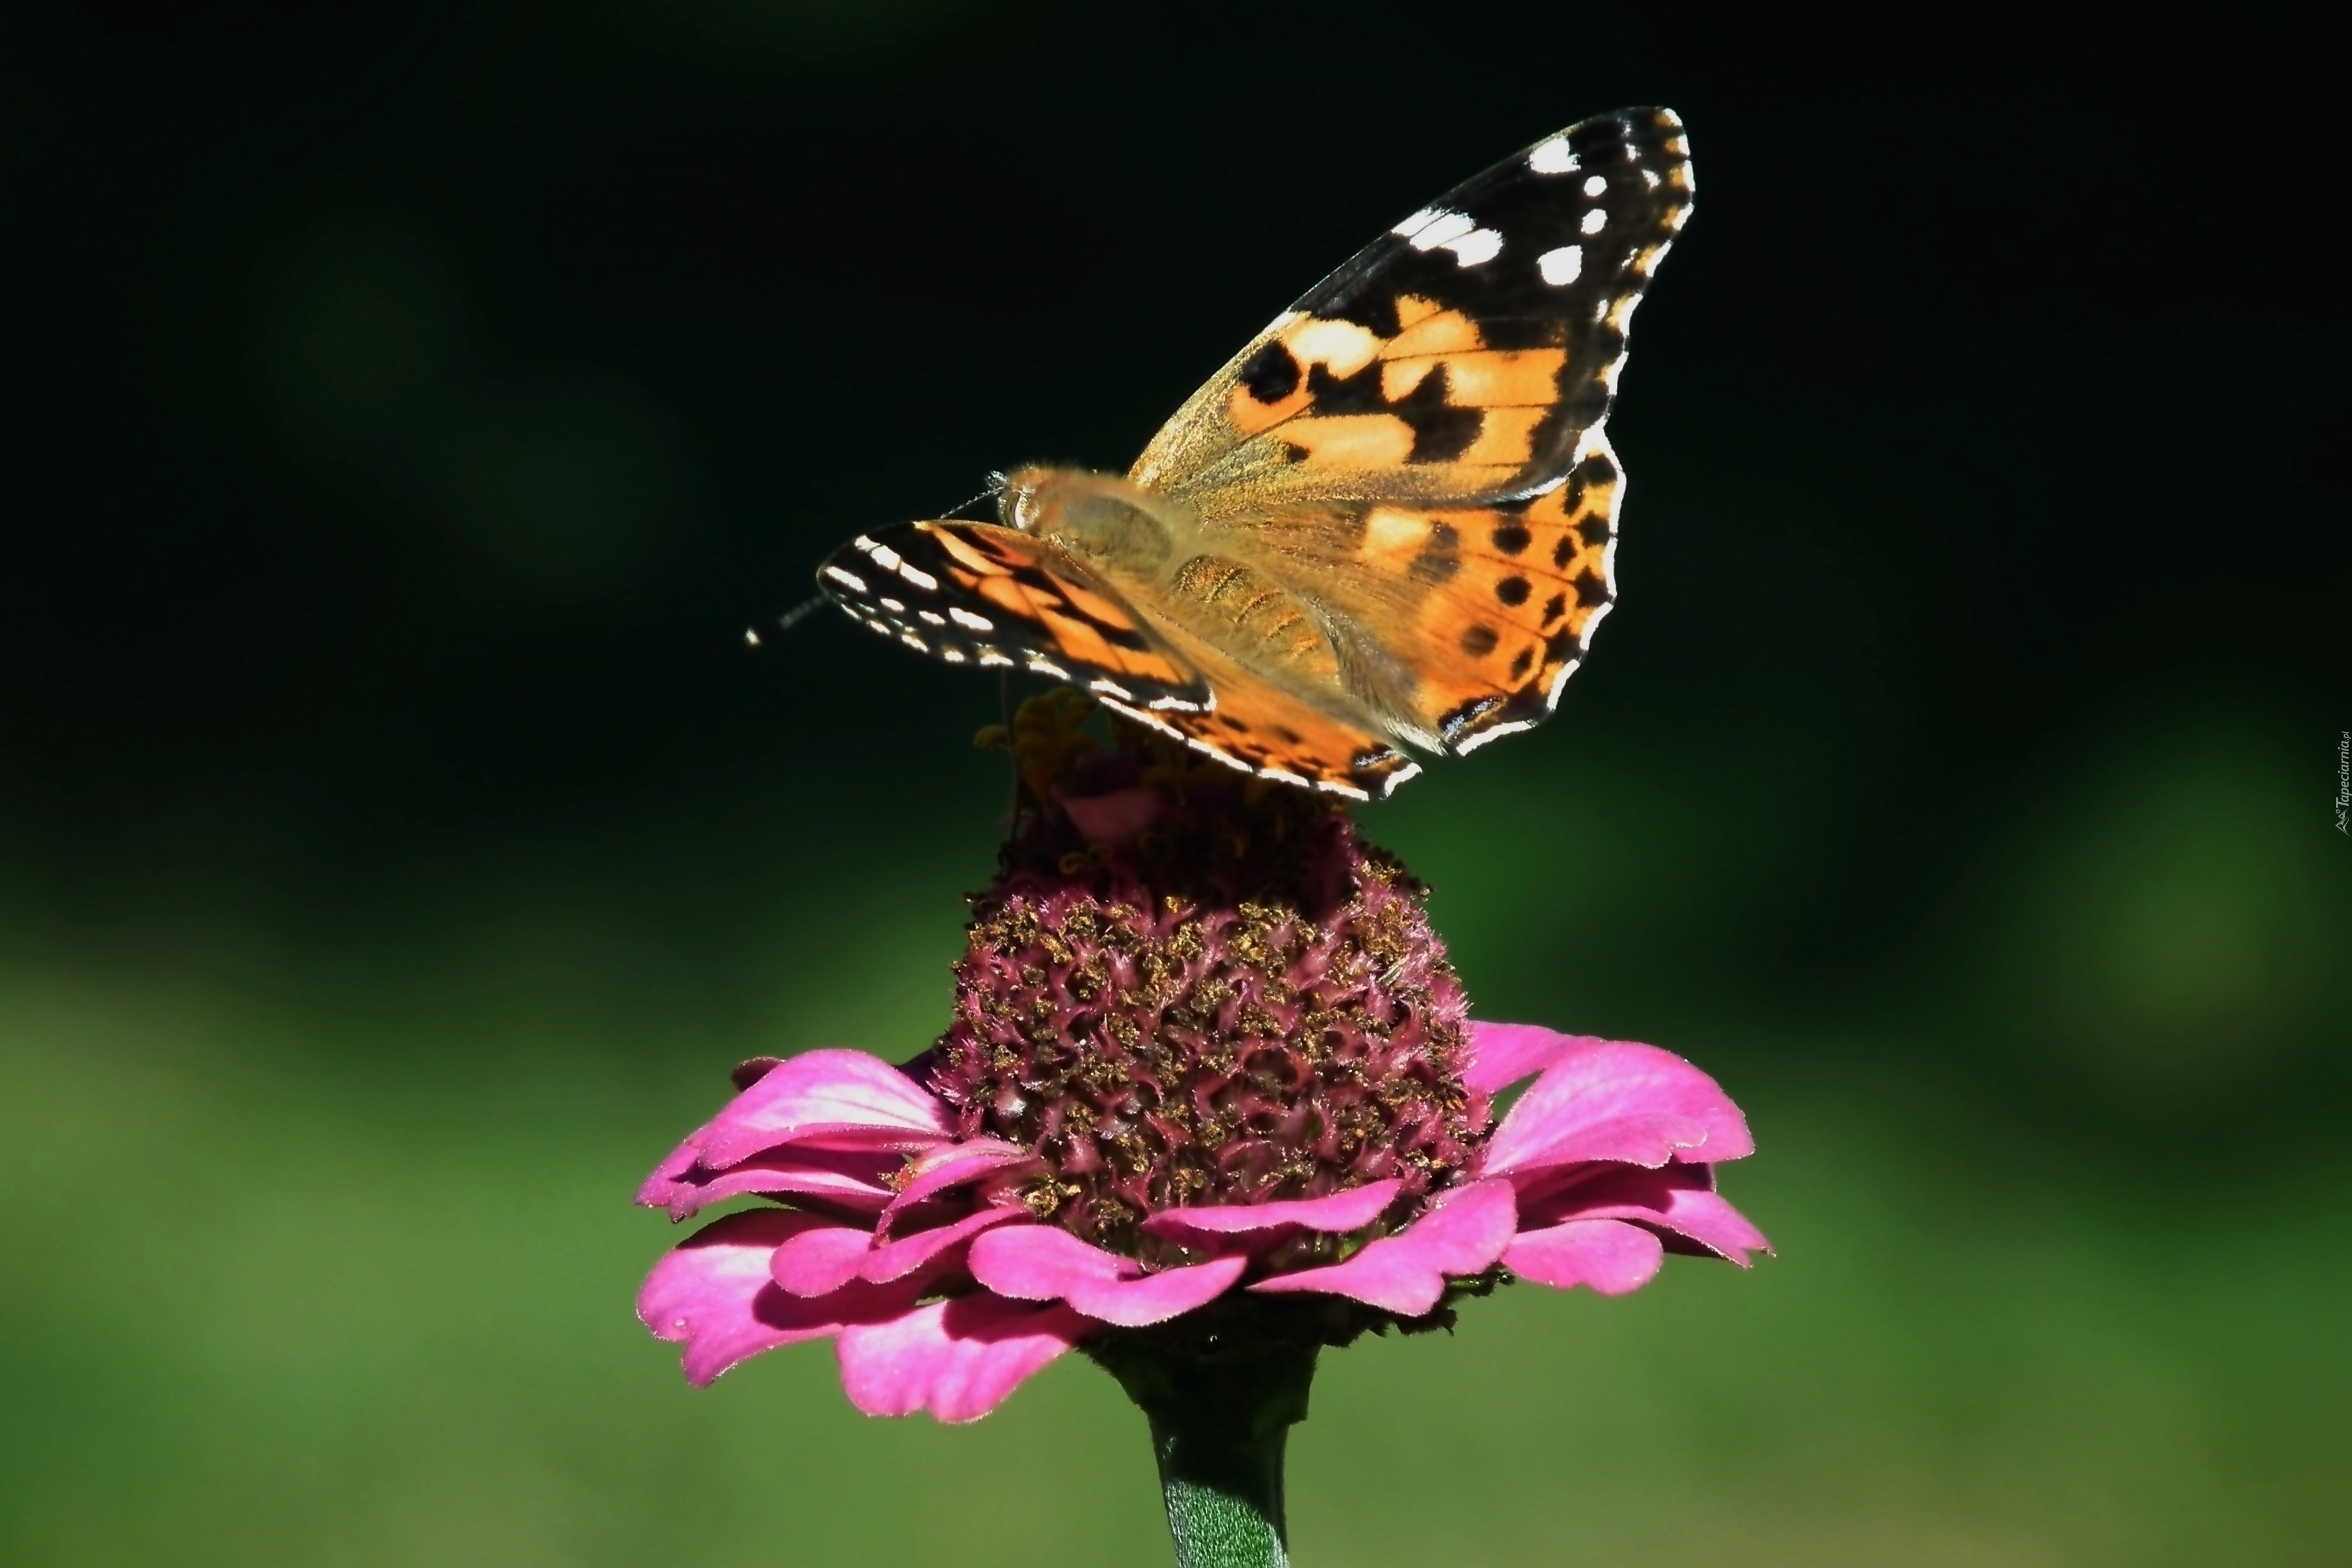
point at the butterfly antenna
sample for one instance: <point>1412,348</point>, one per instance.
<point>786,621</point>
<point>995,488</point>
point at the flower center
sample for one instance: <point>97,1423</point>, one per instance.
<point>1238,1002</point>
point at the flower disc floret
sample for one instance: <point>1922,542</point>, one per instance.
<point>1159,1049</point>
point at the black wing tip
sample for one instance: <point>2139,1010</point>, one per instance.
<point>1632,120</point>
<point>1644,132</point>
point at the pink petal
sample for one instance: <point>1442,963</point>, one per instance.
<point>1650,1140</point>
<point>1611,1099</point>
<point>845,1097</point>
<point>853,1178</point>
<point>713,1293</point>
<point>936,1170</point>
<point>1338,1213</point>
<point>819,1259</point>
<point>1464,1231</point>
<point>1155,1298</point>
<point>898,1258</point>
<point>958,1359</point>
<point>1709,1219</point>
<point>1115,816</point>
<point>1678,1199</point>
<point>1046,1263</point>
<point>1502,1054</point>
<point>1608,1254</point>
<point>1043,1263</point>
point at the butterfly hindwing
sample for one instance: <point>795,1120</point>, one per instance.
<point>1451,625</point>
<point>979,594</point>
<point>1260,729</point>
<point>1464,355</point>
<point>1505,603</point>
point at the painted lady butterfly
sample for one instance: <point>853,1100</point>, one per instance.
<point>1392,518</point>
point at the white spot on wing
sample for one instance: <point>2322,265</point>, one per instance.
<point>969,621</point>
<point>919,577</point>
<point>1442,228</point>
<point>991,657</point>
<point>1596,186</point>
<point>1407,229</point>
<point>1561,266</point>
<point>1404,775</point>
<point>1649,179</point>
<point>1110,689</point>
<point>884,557</point>
<point>1044,666</point>
<point>1142,717</point>
<point>912,641</point>
<point>849,579</point>
<point>1479,245</point>
<point>1495,733</point>
<point>1280,322</point>
<point>929,619</point>
<point>1552,157</point>
<point>953,655</point>
<point>1594,221</point>
<point>894,607</point>
<point>867,545</point>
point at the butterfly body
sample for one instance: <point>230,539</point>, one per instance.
<point>1390,520</point>
<point>1211,588</point>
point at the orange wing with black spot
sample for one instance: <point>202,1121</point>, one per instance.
<point>1461,357</point>
<point>977,594</point>
<point>1485,610</point>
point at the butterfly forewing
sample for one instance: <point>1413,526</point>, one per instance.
<point>977,594</point>
<point>1464,355</point>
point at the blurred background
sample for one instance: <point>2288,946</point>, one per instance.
<point>413,405</point>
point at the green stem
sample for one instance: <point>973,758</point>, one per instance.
<point>1220,1416</point>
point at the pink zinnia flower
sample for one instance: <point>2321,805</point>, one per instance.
<point>1212,1083</point>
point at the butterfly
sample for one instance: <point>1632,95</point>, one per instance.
<point>1390,521</point>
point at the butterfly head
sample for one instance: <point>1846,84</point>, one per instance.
<point>1020,495</point>
<point>1113,525</point>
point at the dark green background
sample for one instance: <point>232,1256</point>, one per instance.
<point>412,405</point>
